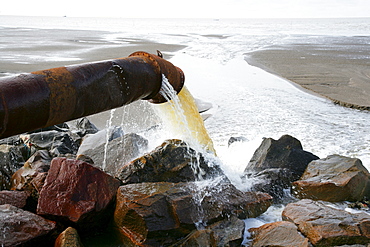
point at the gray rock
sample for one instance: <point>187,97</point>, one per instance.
<point>11,159</point>
<point>119,151</point>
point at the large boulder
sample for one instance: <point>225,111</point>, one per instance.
<point>75,191</point>
<point>161,213</point>
<point>277,163</point>
<point>278,234</point>
<point>286,153</point>
<point>11,159</point>
<point>117,152</point>
<point>19,227</point>
<point>173,161</point>
<point>335,178</point>
<point>325,225</point>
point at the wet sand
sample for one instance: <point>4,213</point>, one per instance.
<point>27,50</point>
<point>339,71</point>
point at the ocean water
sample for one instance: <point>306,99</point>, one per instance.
<point>247,101</point>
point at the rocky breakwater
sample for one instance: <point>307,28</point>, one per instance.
<point>324,192</point>
<point>54,194</point>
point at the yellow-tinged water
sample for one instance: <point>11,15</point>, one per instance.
<point>182,117</point>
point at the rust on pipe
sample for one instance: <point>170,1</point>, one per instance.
<point>44,98</point>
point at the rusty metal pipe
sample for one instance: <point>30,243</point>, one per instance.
<point>44,98</point>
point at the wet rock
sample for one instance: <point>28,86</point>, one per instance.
<point>286,153</point>
<point>228,232</point>
<point>56,142</point>
<point>84,127</point>
<point>92,141</point>
<point>15,198</point>
<point>19,227</point>
<point>278,234</point>
<point>11,159</point>
<point>276,164</point>
<point>173,161</point>
<point>68,238</point>
<point>39,162</point>
<point>273,181</point>
<point>198,238</point>
<point>325,225</point>
<point>335,178</point>
<point>118,152</point>
<point>158,213</point>
<point>75,191</point>
<point>236,139</point>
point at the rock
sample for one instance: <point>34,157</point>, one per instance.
<point>236,139</point>
<point>228,232</point>
<point>173,161</point>
<point>75,191</point>
<point>276,164</point>
<point>14,198</point>
<point>198,238</point>
<point>19,227</point>
<point>327,226</point>
<point>278,234</point>
<point>335,178</point>
<point>84,127</point>
<point>56,142</point>
<point>39,162</point>
<point>68,238</point>
<point>118,152</point>
<point>284,153</point>
<point>92,141</point>
<point>158,213</point>
<point>273,181</point>
<point>11,159</point>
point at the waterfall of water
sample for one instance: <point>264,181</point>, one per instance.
<point>186,121</point>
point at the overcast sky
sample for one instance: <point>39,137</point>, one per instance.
<point>189,8</point>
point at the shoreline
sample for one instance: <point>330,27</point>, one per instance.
<point>68,47</point>
<point>320,70</point>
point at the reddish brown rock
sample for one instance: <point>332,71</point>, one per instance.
<point>15,198</point>
<point>77,191</point>
<point>22,227</point>
<point>278,234</point>
<point>335,178</point>
<point>68,238</point>
<point>328,226</point>
<point>158,213</point>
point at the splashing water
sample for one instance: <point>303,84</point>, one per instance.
<point>181,117</point>
<point>109,125</point>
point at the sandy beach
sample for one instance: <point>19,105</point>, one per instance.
<point>28,50</point>
<point>337,71</point>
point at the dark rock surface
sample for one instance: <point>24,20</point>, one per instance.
<point>173,161</point>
